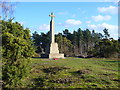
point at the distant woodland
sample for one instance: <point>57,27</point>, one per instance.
<point>80,43</point>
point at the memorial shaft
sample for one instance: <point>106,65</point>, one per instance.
<point>52,28</point>
<point>52,31</point>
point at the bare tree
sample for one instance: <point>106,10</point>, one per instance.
<point>7,9</point>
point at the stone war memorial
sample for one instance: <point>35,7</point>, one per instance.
<point>52,50</point>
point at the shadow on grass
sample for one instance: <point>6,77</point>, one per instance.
<point>112,61</point>
<point>53,70</point>
<point>84,74</point>
<point>38,82</point>
<point>81,72</point>
<point>42,82</point>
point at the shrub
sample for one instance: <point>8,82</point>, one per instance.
<point>16,51</point>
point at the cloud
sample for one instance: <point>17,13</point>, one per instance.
<point>81,11</point>
<point>88,22</point>
<point>101,18</point>
<point>60,24</point>
<point>73,22</point>
<point>70,23</point>
<point>44,27</point>
<point>112,29</point>
<point>79,8</point>
<point>102,26</point>
<point>116,2</point>
<point>21,22</point>
<point>110,9</point>
<point>74,15</point>
<point>63,13</point>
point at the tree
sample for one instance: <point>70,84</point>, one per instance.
<point>119,46</point>
<point>17,48</point>
<point>67,34</point>
<point>106,34</point>
<point>82,43</point>
<point>65,45</point>
<point>106,48</point>
<point>80,40</point>
<point>119,39</point>
<point>37,42</point>
<point>7,9</point>
<point>41,41</point>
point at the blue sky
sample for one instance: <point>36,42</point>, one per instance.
<point>65,0</point>
<point>69,15</point>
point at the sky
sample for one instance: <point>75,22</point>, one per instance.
<point>69,15</point>
<point>65,0</point>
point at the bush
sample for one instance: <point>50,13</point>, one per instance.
<point>16,51</point>
<point>106,48</point>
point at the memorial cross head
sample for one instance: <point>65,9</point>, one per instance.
<point>52,16</point>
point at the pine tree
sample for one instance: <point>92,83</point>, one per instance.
<point>65,45</point>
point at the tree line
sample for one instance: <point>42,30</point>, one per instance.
<point>81,43</point>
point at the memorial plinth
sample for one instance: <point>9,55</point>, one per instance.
<point>52,50</point>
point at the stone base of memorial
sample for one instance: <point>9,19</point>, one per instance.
<point>53,52</point>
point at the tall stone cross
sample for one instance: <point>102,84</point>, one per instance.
<point>52,28</point>
<point>52,50</point>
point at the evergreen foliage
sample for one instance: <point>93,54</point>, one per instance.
<point>64,44</point>
<point>16,51</point>
<point>107,48</point>
<point>82,43</point>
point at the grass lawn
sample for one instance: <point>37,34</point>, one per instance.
<point>73,73</point>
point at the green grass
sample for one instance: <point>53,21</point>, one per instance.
<point>73,73</point>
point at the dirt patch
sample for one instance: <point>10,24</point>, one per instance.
<point>36,71</point>
<point>81,72</point>
<point>53,70</point>
<point>67,80</point>
<point>118,80</point>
